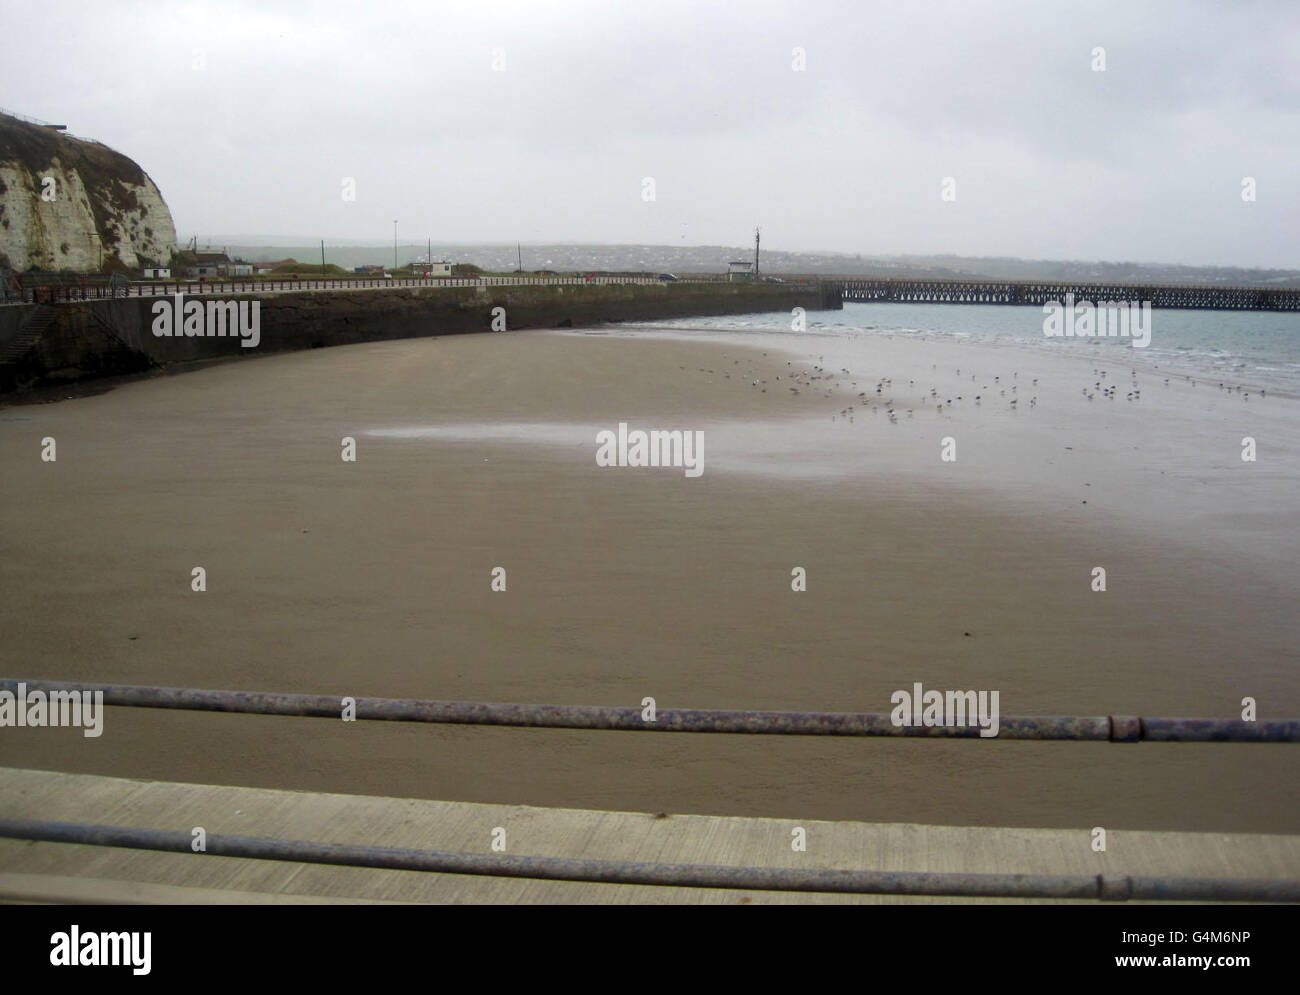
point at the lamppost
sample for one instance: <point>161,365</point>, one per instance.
<point>394,243</point>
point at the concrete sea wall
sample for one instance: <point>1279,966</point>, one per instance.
<point>93,339</point>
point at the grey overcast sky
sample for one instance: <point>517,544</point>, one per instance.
<point>249,117</point>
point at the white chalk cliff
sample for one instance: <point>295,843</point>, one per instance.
<point>69,204</point>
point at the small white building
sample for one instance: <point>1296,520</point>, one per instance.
<point>157,273</point>
<point>434,269</point>
<point>739,271</point>
<point>240,268</point>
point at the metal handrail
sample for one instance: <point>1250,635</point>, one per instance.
<point>863,882</point>
<point>1111,728</point>
<point>71,292</point>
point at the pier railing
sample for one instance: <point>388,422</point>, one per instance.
<point>1113,728</point>
<point>1039,292</point>
<point>1104,887</point>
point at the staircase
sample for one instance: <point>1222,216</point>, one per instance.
<point>29,333</point>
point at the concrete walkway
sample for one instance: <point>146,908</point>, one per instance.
<point>52,872</point>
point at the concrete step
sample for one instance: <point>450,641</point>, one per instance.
<point>29,333</point>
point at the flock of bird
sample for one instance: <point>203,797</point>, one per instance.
<point>880,397</point>
<point>1109,390</point>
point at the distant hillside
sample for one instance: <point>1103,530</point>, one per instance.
<point>714,259</point>
<point>71,204</point>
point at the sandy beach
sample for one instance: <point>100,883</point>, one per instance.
<point>477,451</point>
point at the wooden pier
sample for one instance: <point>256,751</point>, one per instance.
<point>1038,292</point>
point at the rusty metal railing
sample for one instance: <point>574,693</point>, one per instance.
<point>69,291</point>
<point>909,883</point>
<point>915,883</point>
<point>1112,728</point>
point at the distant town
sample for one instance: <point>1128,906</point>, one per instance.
<point>696,259</point>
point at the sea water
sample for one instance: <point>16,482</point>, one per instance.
<point>1246,348</point>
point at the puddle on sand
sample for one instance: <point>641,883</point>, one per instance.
<point>791,449</point>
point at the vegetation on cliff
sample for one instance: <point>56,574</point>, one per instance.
<point>127,215</point>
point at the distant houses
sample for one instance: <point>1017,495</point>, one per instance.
<point>219,265</point>
<point>209,264</point>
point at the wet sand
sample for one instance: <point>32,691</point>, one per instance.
<point>373,578</point>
